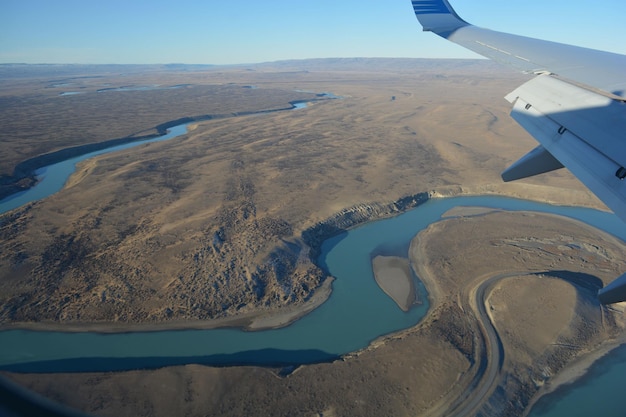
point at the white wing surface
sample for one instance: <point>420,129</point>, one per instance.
<point>575,107</point>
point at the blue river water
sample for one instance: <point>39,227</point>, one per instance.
<point>599,393</point>
<point>52,178</point>
<point>356,313</point>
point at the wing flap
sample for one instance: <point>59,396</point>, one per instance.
<point>596,118</point>
<point>538,161</point>
<point>571,140</point>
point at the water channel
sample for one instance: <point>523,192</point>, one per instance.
<point>356,313</point>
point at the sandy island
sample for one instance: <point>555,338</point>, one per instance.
<point>393,276</point>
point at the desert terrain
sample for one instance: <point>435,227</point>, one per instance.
<point>222,226</point>
<point>493,338</point>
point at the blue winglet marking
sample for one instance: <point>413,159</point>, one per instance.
<point>430,7</point>
<point>438,16</point>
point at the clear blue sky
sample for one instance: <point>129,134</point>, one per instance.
<point>247,31</point>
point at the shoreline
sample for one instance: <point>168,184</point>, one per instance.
<point>263,320</point>
<point>253,321</point>
<point>313,237</point>
<point>571,372</point>
<point>574,371</point>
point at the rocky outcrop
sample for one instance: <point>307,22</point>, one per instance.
<point>356,215</point>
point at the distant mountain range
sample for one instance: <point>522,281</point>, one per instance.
<point>373,64</point>
<point>317,64</point>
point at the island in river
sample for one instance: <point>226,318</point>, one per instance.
<point>225,223</point>
<point>393,275</point>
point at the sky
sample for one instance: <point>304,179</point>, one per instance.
<point>251,31</point>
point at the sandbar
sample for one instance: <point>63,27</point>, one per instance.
<point>393,276</point>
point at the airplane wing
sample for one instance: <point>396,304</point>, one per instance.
<point>575,107</point>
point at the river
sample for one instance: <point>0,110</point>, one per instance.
<point>356,313</point>
<point>52,178</point>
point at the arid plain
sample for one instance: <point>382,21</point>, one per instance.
<point>222,225</point>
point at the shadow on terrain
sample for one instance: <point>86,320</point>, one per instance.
<point>315,236</point>
<point>18,401</point>
<point>589,283</point>
<point>261,357</point>
<point>401,250</point>
<point>335,229</point>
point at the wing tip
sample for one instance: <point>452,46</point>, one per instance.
<point>437,16</point>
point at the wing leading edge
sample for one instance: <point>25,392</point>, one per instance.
<point>575,107</point>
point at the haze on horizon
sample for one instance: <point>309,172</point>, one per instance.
<point>248,31</point>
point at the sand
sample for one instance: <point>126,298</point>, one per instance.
<point>288,315</point>
<point>393,276</point>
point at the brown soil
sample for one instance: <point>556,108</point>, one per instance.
<point>209,225</point>
<point>223,223</point>
<point>546,317</point>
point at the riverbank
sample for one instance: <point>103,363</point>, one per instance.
<point>429,367</point>
<point>354,216</point>
<point>535,337</point>
<point>314,236</point>
<point>574,371</point>
<point>252,321</point>
<point>24,176</point>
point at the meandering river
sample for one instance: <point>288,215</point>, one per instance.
<point>356,313</point>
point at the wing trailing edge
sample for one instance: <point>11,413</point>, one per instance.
<point>580,130</point>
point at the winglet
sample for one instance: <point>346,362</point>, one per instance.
<point>437,16</point>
